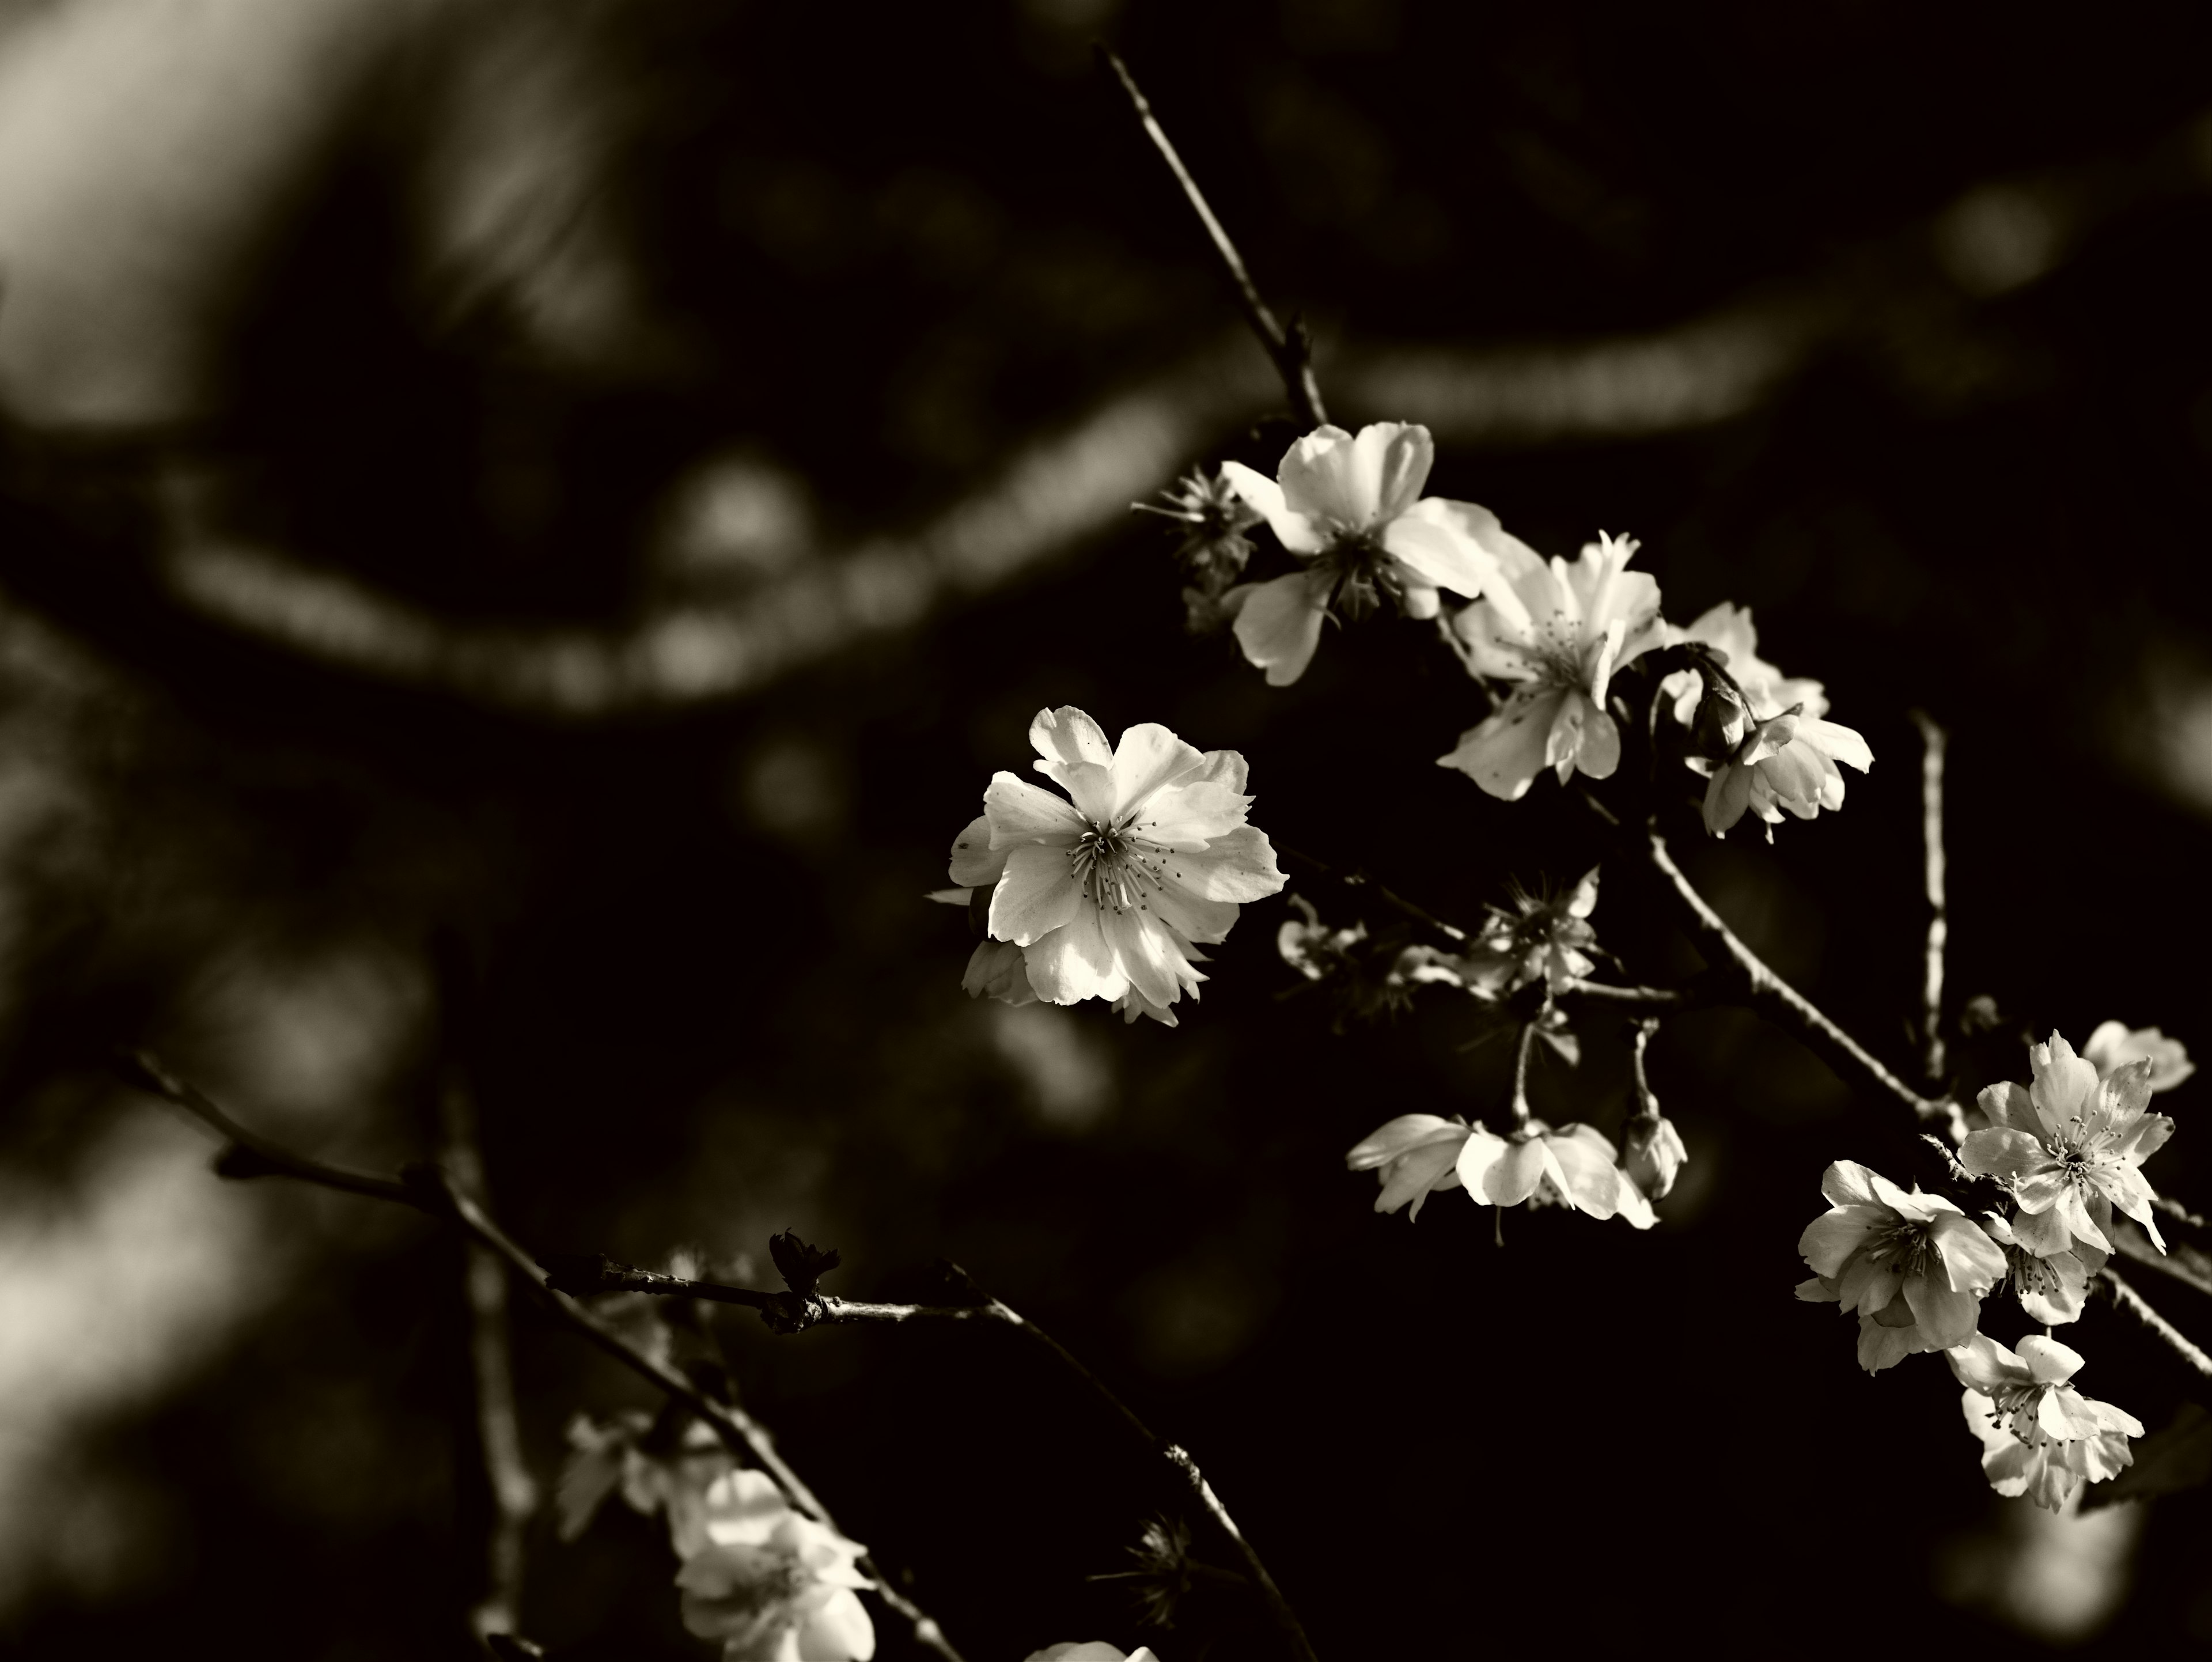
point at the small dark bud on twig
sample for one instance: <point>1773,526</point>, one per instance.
<point>801,1266</point>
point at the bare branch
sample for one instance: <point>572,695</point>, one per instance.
<point>2141,1306</point>
<point>1290,349</point>
<point>1760,989</point>
<point>431,1192</point>
<point>1932,741</point>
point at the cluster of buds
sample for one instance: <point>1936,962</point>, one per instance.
<point>2066,1150</point>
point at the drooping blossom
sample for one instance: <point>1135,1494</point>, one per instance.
<point>1416,1155</point>
<point>2066,1140</point>
<point>1785,764</point>
<point>1912,1266</point>
<point>1561,632</point>
<point>2040,1437</point>
<point>1575,1167</point>
<point>2114,1044</point>
<point>1351,509</point>
<point>2051,1290</point>
<point>772,1584</point>
<point>1108,895</point>
<point>1652,1153</point>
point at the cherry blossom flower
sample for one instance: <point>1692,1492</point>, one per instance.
<point>1785,763</point>
<point>1096,1651</point>
<point>1539,940</point>
<point>1562,632</point>
<point>1574,1167</point>
<point>611,1457</point>
<point>2051,1290</point>
<point>1351,509</point>
<point>773,1584</point>
<point>2040,1437</point>
<point>1913,1266</point>
<point>1108,895</point>
<point>1416,1155</point>
<point>2066,1140</point>
<point>2114,1044</point>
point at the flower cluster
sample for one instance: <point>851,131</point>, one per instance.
<point>2041,1437</point>
<point>1109,892</point>
<point>2067,1149</point>
<point>1417,1155</point>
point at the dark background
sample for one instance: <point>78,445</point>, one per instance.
<point>863,259</point>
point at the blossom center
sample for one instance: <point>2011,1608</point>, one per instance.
<point>1907,1246</point>
<point>1116,868</point>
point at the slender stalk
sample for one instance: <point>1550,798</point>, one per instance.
<point>1290,349</point>
<point>431,1192</point>
<point>2141,1308</point>
<point>1759,988</point>
<point>1647,1099</point>
<point>1932,741</point>
<point>1520,1073</point>
<point>499,1430</point>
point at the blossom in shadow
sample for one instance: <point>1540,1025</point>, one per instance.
<point>2040,1437</point>
<point>1416,1155</point>
<point>2066,1140</point>
<point>2114,1044</point>
<point>1912,1266</point>
<point>773,1584</point>
<point>1351,511</point>
<point>1785,764</point>
<point>1108,893</point>
<point>1559,633</point>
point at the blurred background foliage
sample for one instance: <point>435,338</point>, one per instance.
<point>608,483</point>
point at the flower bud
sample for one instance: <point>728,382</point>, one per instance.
<point>1652,1153</point>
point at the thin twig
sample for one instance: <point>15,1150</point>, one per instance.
<point>1290,349</point>
<point>790,1313</point>
<point>499,1431</point>
<point>1767,993</point>
<point>431,1192</point>
<point>1932,739</point>
<point>1694,996</point>
<point>2150,1318</point>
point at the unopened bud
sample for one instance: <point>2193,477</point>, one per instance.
<point>1652,1153</point>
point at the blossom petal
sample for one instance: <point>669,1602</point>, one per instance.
<point>2001,1152</point>
<point>1075,962</point>
<point>1415,1175</point>
<point>1971,1261</point>
<point>1515,1174</point>
<point>1294,530</point>
<point>1831,1238</point>
<point>1239,865</point>
<point>1038,894</point>
<point>1847,1182</point>
<point>1022,812</point>
<point>2065,1086</point>
<point>1146,760</point>
<point>2048,1361</point>
<point>975,863</point>
<point>1481,1152</point>
<point>1147,955</point>
<point>1507,751</point>
<point>997,969</point>
<point>1278,626</point>
<point>1592,1182</point>
<point>1944,1316</point>
<point>1438,555</point>
<point>2043,1233</point>
<point>837,1630</point>
<point>1401,1135</point>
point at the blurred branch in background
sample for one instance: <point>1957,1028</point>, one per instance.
<point>1907,299</point>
